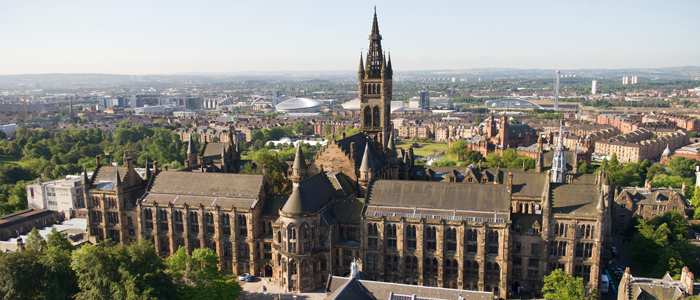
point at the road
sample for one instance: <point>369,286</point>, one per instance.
<point>623,260</point>
<point>254,290</point>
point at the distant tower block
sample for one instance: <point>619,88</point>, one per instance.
<point>634,79</point>
<point>625,80</point>
<point>594,87</point>
<point>556,93</point>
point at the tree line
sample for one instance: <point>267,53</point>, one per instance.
<point>53,269</point>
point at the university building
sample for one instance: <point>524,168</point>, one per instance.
<point>361,199</point>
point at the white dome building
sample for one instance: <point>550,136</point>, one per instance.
<point>299,104</point>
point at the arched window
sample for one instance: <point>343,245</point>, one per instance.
<point>368,117</point>
<point>194,222</point>
<point>376,122</point>
<point>451,239</point>
<point>148,214</point>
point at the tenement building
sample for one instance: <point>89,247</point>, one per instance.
<point>639,145</point>
<point>361,199</point>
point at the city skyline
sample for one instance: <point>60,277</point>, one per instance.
<point>219,37</point>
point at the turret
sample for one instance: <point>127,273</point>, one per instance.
<point>148,172</point>
<point>361,70</point>
<point>365,172</point>
<point>86,180</point>
<point>299,168</point>
<point>118,181</point>
<point>191,154</point>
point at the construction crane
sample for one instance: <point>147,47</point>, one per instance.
<point>26,116</point>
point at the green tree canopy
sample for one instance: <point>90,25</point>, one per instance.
<point>561,286</point>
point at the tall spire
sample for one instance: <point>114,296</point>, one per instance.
<point>361,71</point>
<point>375,25</point>
<point>299,160</point>
<point>148,171</point>
<point>559,159</point>
<point>388,66</point>
<point>374,54</point>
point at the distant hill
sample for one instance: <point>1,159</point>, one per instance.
<point>76,81</point>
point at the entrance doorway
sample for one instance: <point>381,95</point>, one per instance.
<point>268,271</point>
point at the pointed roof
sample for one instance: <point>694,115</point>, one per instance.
<point>148,171</point>
<point>119,178</point>
<point>375,26</point>
<point>366,162</point>
<point>190,146</point>
<point>299,160</point>
<point>309,195</point>
<point>86,180</point>
<point>667,151</point>
<point>362,67</point>
<point>601,203</point>
<point>389,62</point>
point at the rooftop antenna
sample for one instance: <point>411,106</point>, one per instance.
<point>556,95</point>
<point>26,116</point>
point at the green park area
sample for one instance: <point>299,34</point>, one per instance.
<point>5,159</point>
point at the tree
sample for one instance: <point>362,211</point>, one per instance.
<point>3,136</point>
<point>514,121</point>
<point>478,120</point>
<point>561,286</point>
<point>198,276</point>
<point>117,271</point>
<point>337,118</point>
<point>34,241</point>
<point>57,239</point>
<point>493,160</point>
<point>21,274</point>
<point>299,127</point>
<point>682,167</point>
<point>655,169</point>
<point>509,156</point>
<point>326,129</point>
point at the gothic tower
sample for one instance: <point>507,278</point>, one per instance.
<point>559,159</point>
<point>374,89</point>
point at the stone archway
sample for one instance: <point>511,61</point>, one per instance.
<point>267,271</point>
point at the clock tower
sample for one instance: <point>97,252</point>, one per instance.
<point>374,90</point>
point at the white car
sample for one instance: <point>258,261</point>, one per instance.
<point>243,276</point>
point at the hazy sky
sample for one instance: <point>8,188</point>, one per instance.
<point>164,37</point>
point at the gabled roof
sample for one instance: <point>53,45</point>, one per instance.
<point>439,195</point>
<point>207,184</point>
<point>106,177</point>
<point>377,161</point>
<point>575,199</point>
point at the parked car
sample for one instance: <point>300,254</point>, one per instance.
<point>243,276</point>
<point>249,278</point>
<point>614,252</point>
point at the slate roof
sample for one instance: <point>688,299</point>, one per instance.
<point>273,203</point>
<point>350,289</point>
<point>570,159</point>
<point>109,174</point>
<point>655,197</point>
<point>353,288</point>
<point>377,161</point>
<point>348,209</point>
<point>341,183</point>
<point>208,184</point>
<point>574,199</point>
<point>440,195</point>
<point>529,184</point>
<point>515,130</point>
<point>310,195</point>
<point>212,151</point>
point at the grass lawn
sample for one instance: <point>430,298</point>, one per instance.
<point>421,145</point>
<point>4,159</point>
<point>424,153</point>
